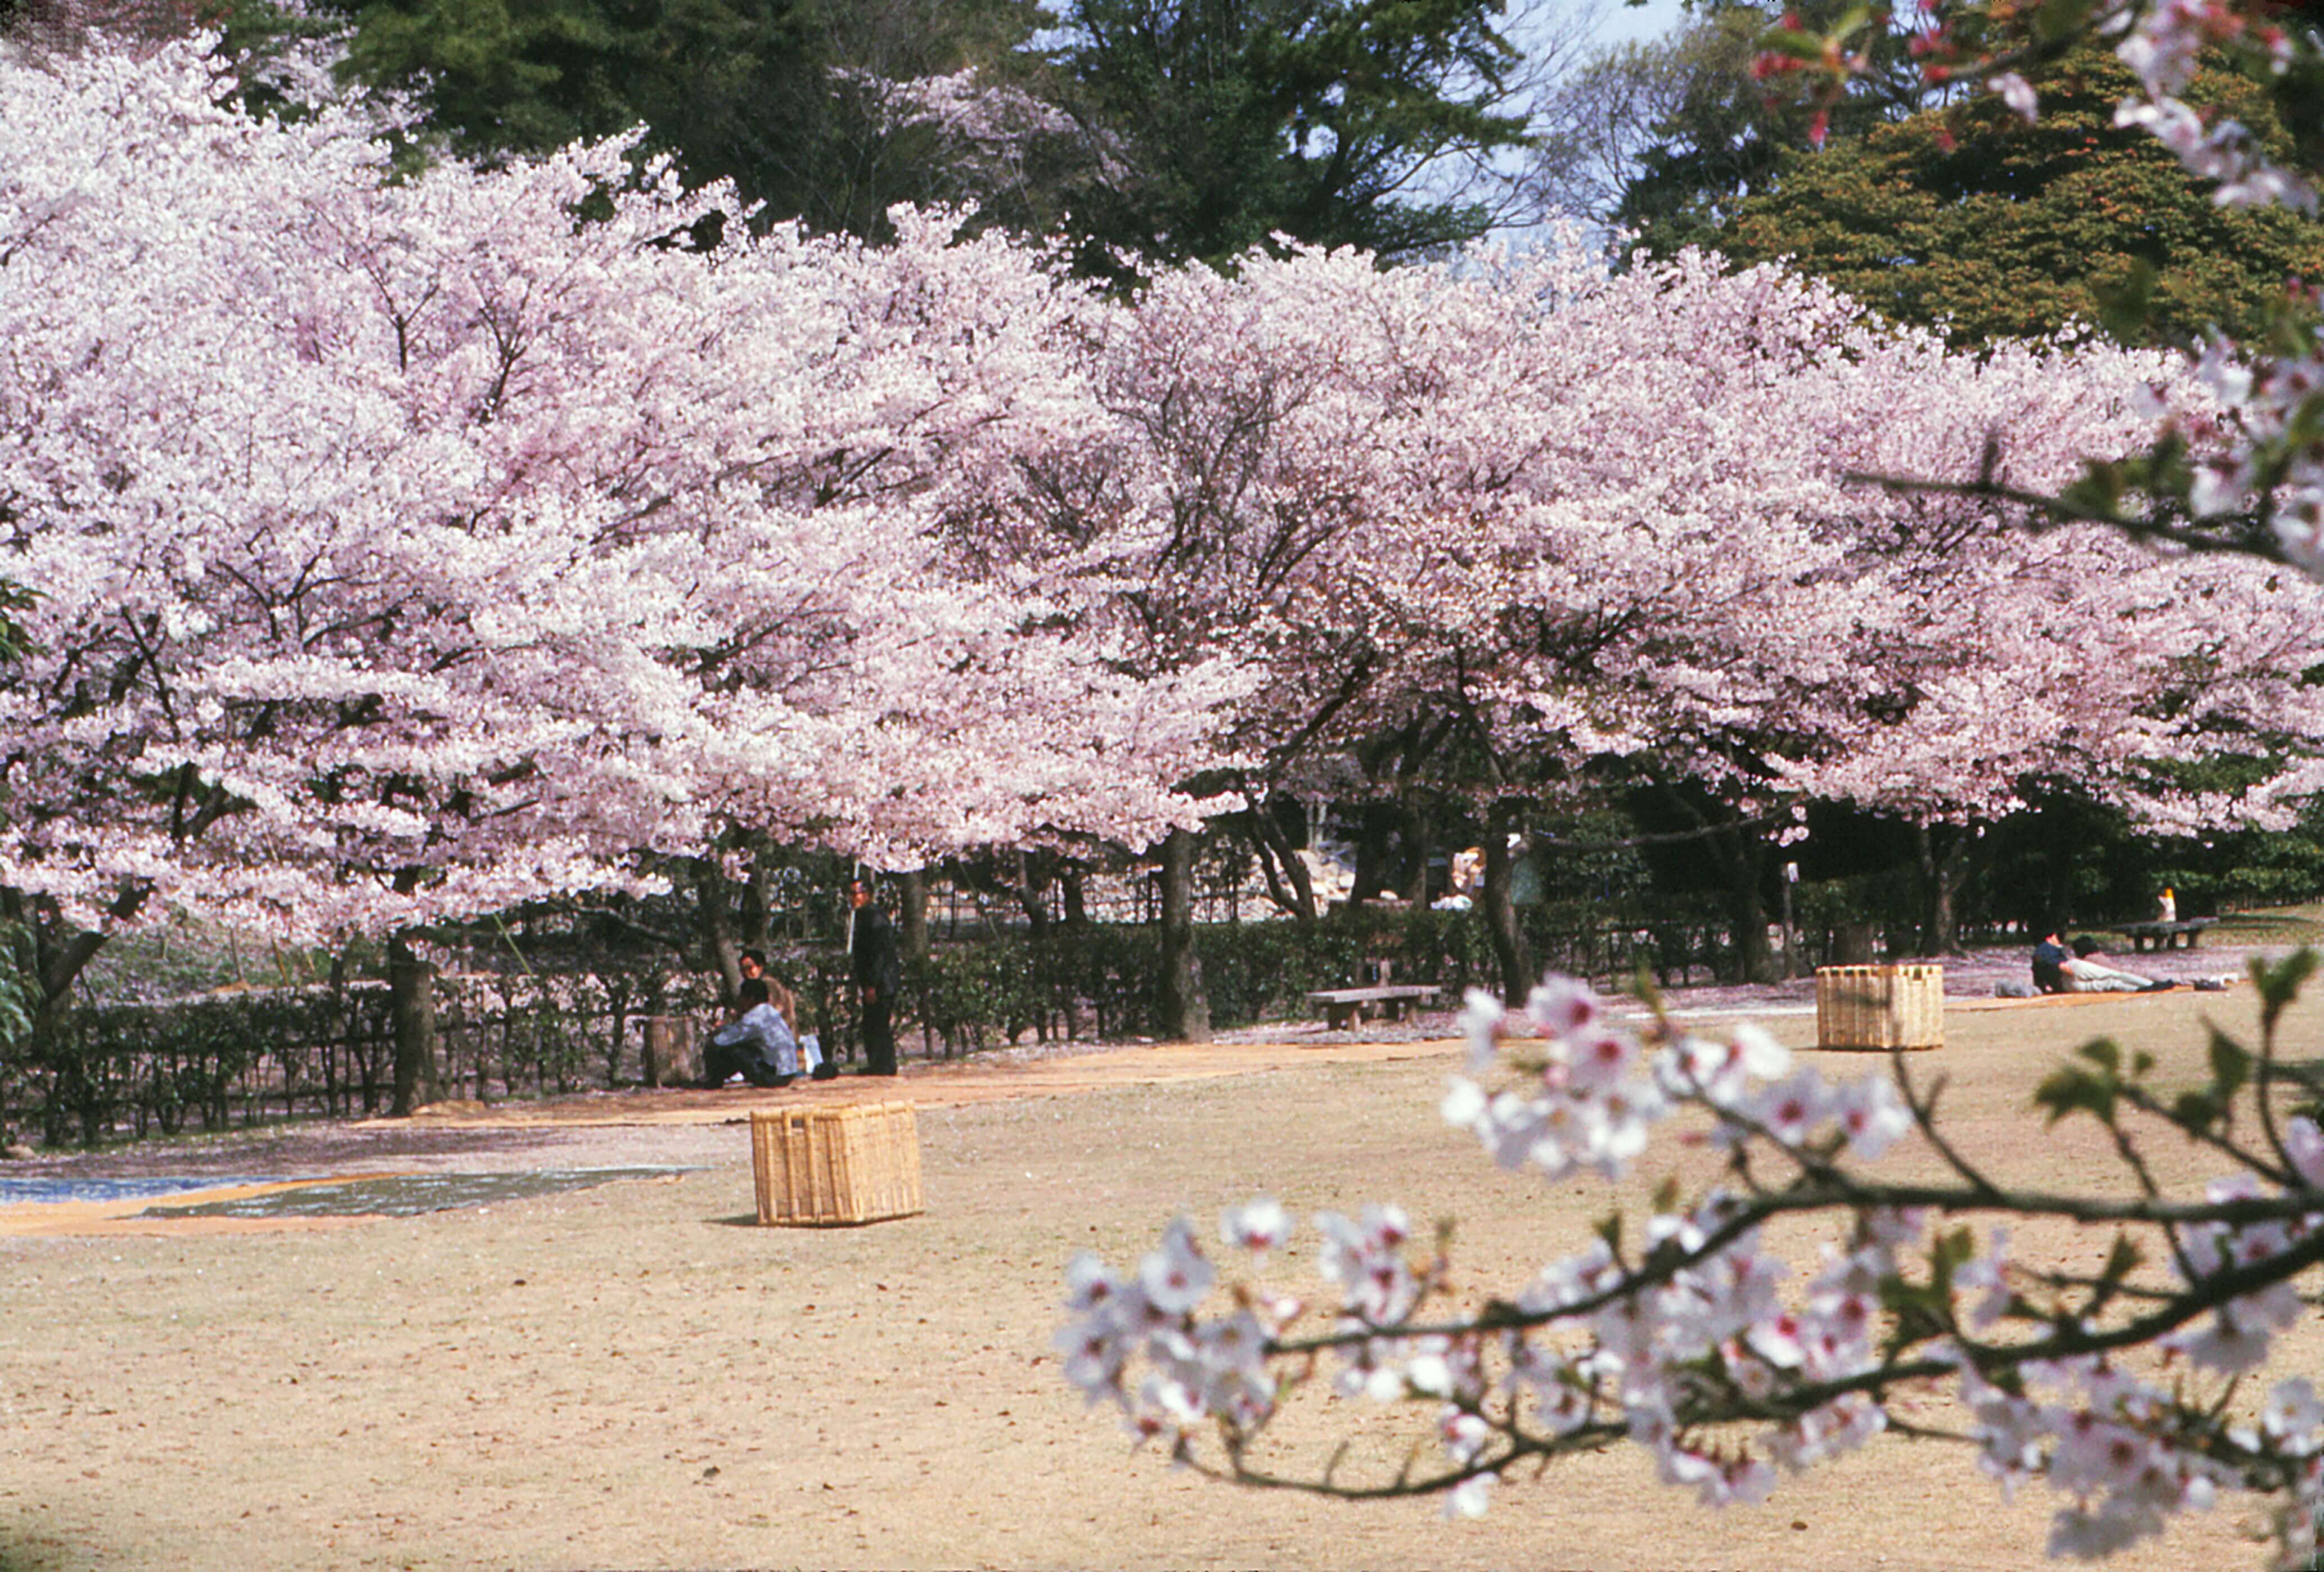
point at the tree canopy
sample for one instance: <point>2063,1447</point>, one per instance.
<point>1663,138</point>
<point>1970,217</point>
<point>1193,129</point>
<point>793,100</point>
<point>1228,121</point>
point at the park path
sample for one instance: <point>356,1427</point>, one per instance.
<point>984,1077</point>
<point>1005,1075</point>
<point>1065,1072</point>
<point>942,1083</point>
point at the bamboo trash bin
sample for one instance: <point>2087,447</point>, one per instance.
<point>823,1167</point>
<point>1880,1007</point>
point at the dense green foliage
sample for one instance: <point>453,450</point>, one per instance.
<point>1190,129</point>
<point>1971,219</point>
<point>1234,120</point>
<point>1663,138</point>
<point>784,98</point>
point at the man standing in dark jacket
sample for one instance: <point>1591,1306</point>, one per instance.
<point>878,973</point>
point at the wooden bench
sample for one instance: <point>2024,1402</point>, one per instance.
<point>1343,1006</point>
<point>2164,935</point>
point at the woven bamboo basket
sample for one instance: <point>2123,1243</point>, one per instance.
<point>1880,1008</point>
<point>825,1167</point>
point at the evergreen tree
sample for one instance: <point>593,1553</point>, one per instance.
<point>791,99</point>
<point>1972,219</point>
<point>1664,138</point>
<point>1224,122</point>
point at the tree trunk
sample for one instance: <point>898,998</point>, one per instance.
<point>1073,891</point>
<point>1740,856</point>
<point>1032,891</point>
<point>713,913</point>
<point>60,953</point>
<point>1184,1010</point>
<point>1375,827</point>
<point>912,942</point>
<point>1942,876</point>
<point>1745,863</point>
<point>758,908</point>
<point>912,922</point>
<point>2061,914</point>
<point>1288,882</point>
<point>412,994</point>
<point>1416,850</point>
<point>1500,912</point>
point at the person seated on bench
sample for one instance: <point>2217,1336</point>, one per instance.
<point>757,1044</point>
<point>2086,971</point>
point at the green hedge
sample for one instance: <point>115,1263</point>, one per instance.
<point>205,1063</point>
<point>158,1069</point>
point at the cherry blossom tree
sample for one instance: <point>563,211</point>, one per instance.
<point>2136,1391</point>
<point>1988,663</point>
<point>412,548</point>
<point>1685,574</point>
<point>1275,440</point>
<point>1534,522</point>
<point>1557,520</point>
<point>2237,471</point>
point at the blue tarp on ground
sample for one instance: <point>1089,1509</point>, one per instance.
<point>407,1195</point>
<point>54,1187</point>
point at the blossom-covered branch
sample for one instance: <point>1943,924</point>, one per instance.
<point>1694,1338</point>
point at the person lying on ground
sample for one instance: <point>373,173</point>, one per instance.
<point>2086,971</point>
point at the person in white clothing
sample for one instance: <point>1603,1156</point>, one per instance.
<point>2088,972</point>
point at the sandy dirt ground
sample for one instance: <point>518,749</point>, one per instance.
<point>636,1375</point>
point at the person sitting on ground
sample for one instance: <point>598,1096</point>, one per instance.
<point>796,1052</point>
<point>2086,971</point>
<point>757,1044</point>
<point>2049,957</point>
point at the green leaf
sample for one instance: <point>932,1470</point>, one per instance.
<point>2231,1065</point>
<point>1799,45</point>
<point>1852,20</point>
<point>1917,1311</point>
<point>2069,1089</point>
<point>2100,490</point>
<point>2278,984</point>
<point>2196,1111</point>
<point>1947,1255</point>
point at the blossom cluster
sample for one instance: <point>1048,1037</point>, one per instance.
<point>1705,1345</point>
<point>2275,403</point>
<point>2273,468</point>
<point>2272,396</point>
<point>404,548</point>
<point>436,552</point>
<point>2164,42</point>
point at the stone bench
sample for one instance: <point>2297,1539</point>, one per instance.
<point>2183,933</point>
<point>1343,1006</point>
